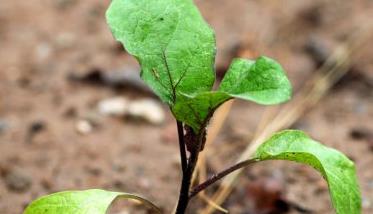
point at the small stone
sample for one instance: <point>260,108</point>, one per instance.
<point>117,106</point>
<point>148,110</point>
<point>84,127</point>
<point>18,181</point>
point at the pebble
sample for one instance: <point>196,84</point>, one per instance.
<point>84,127</point>
<point>117,106</point>
<point>147,109</point>
<point>18,181</point>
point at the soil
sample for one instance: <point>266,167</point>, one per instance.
<point>44,42</point>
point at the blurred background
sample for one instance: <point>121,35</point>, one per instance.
<point>74,115</point>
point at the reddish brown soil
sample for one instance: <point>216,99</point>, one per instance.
<point>42,42</point>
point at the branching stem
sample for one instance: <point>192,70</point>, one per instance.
<point>188,165</point>
<point>219,176</point>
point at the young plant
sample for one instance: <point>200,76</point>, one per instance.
<point>176,50</point>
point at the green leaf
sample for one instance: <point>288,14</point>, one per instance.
<point>262,81</point>
<point>80,202</point>
<point>335,167</point>
<point>176,50</point>
<point>171,41</point>
<point>196,111</point>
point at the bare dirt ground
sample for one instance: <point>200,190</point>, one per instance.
<point>44,42</point>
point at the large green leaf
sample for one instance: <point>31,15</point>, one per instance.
<point>335,167</point>
<point>172,42</point>
<point>81,202</point>
<point>262,81</point>
<point>176,50</point>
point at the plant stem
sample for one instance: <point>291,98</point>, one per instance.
<point>183,156</point>
<point>192,139</point>
<point>219,176</point>
<point>186,182</point>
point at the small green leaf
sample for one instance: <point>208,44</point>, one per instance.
<point>196,111</point>
<point>80,202</point>
<point>262,81</point>
<point>335,167</point>
<point>171,41</point>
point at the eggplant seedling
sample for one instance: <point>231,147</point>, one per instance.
<point>176,50</point>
